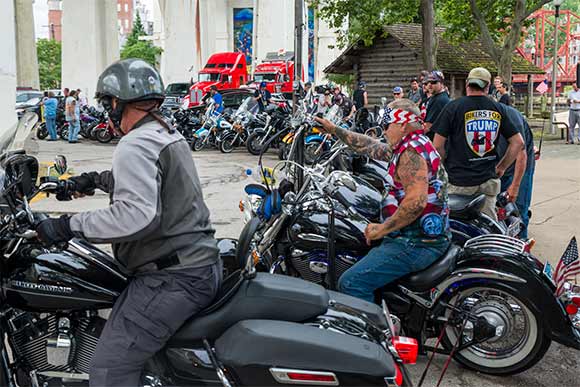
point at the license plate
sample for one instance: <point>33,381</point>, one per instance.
<point>548,271</point>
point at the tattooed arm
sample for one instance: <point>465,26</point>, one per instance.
<point>413,174</point>
<point>360,143</point>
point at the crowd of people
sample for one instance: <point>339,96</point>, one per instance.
<point>70,103</point>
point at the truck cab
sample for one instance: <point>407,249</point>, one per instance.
<point>277,70</point>
<point>225,70</point>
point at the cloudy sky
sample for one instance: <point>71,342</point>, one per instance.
<point>41,16</point>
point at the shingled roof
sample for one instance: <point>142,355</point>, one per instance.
<point>453,58</point>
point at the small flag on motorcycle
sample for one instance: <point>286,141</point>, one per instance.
<point>568,266</point>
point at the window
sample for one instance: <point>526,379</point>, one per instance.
<point>118,7</point>
<point>126,23</point>
<point>126,7</point>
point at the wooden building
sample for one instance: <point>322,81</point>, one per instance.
<point>396,59</point>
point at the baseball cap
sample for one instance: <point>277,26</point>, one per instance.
<point>263,84</point>
<point>479,76</point>
<point>435,76</point>
<point>397,90</point>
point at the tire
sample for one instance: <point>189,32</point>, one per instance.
<point>41,131</point>
<point>227,144</point>
<point>104,136</point>
<point>86,130</point>
<point>197,144</point>
<point>253,143</point>
<point>529,350</point>
<point>64,133</point>
<point>93,133</point>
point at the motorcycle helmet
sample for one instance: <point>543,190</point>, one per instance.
<point>128,80</point>
<point>262,84</point>
<point>362,85</point>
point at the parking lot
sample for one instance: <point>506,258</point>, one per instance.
<point>556,218</point>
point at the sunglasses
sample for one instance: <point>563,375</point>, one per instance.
<point>433,82</point>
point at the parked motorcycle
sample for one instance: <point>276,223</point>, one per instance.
<point>491,304</point>
<point>187,123</point>
<point>277,120</point>
<point>51,325</point>
<point>243,124</point>
<point>208,134</point>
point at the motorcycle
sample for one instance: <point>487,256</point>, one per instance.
<point>213,125</point>
<point>187,123</point>
<point>243,123</point>
<point>51,325</point>
<point>490,304</point>
<point>276,118</point>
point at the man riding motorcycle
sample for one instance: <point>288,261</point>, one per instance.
<point>165,241</point>
<point>415,232</point>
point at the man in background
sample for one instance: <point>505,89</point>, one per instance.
<point>415,92</point>
<point>217,99</point>
<point>397,93</point>
<point>438,100</point>
<point>504,94</point>
<point>574,115</point>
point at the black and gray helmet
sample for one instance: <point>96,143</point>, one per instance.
<point>130,80</point>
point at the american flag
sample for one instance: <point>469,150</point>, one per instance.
<point>542,87</point>
<point>568,266</point>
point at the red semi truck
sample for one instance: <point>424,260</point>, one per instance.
<point>225,70</point>
<point>277,70</point>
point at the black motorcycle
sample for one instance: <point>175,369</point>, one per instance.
<point>261,329</point>
<point>491,304</point>
<point>187,122</point>
<point>277,120</point>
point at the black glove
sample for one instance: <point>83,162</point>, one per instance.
<point>54,230</point>
<point>85,184</point>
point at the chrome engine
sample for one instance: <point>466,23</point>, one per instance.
<point>55,346</point>
<point>313,265</point>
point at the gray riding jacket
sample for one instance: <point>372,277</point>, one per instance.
<point>157,209</point>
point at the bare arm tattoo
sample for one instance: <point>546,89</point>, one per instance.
<point>413,175</point>
<point>363,144</point>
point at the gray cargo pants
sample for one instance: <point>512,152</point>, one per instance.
<point>490,189</point>
<point>149,311</point>
<point>573,120</point>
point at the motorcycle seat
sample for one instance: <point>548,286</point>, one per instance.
<point>265,297</point>
<point>464,206</point>
<point>424,280</point>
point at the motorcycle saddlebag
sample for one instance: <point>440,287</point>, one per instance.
<point>257,352</point>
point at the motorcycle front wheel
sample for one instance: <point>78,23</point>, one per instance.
<point>64,133</point>
<point>254,143</point>
<point>228,144</point>
<point>104,136</point>
<point>197,144</point>
<point>519,341</point>
<point>311,152</point>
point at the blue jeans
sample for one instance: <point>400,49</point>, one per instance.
<point>524,199</point>
<point>51,127</point>
<point>393,259</point>
<point>74,127</point>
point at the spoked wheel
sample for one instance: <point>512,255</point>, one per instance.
<point>228,144</point>
<point>254,143</point>
<point>104,136</point>
<point>198,144</point>
<point>41,131</point>
<point>519,340</point>
<point>64,132</point>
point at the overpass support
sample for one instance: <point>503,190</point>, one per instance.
<point>26,60</point>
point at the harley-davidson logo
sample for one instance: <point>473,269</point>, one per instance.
<point>42,287</point>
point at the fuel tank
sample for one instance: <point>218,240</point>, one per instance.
<point>77,278</point>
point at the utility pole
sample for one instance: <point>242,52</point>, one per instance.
<point>299,140</point>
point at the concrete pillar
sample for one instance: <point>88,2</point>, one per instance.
<point>7,74</point>
<point>180,36</point>
<point>89,42</point>
<point>26,60</point>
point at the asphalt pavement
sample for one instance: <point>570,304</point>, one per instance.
<point>555,219</point>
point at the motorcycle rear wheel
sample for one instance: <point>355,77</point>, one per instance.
<point>64,133</point>
<point>507,354</point>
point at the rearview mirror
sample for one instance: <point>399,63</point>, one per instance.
<point>384,101</point>
<point>60,165</point>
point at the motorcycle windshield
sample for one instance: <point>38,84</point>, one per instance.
<point>334,114</point>
<point>249,105</point>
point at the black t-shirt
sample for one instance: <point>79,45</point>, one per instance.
<point>344,102</point>
<point>359,98</point>
<point>435,106</point>
<point>265,100</point>
<point>472,126</point>
<point>526,132</point>
<point>505,99</point>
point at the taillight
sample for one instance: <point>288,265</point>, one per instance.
<point>291,376</point>
<point>407,348</point>
<point>575,300</point>
<point>396,380</point>
<point>572,309</point>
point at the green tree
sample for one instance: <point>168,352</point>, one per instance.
<point>366,20</point>
<point>142,49</point>
<point>499,24</point>
<point>49,63</point>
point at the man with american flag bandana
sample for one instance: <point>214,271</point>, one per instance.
<point>415,230</point>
